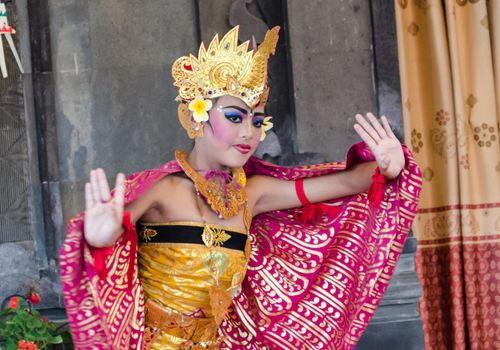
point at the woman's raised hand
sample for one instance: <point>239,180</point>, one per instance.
<point>382,142</point>
<point>103,214</point>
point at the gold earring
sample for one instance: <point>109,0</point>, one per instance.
<point>193,129</point>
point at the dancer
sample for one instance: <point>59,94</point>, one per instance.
<point>220,250</point>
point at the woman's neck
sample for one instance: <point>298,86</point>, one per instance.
<point>200,161</point>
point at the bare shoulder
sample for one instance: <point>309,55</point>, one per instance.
<point>256,182</point>
<point>257,186</point>
<point>170,185</point>
<point>153,196</point>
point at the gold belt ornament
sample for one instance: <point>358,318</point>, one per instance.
<point>147,234</point>
<point>214,236</point>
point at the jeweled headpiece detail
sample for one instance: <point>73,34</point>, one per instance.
<point>226,68</point>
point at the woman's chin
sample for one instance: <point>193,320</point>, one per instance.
<point>237,160</point>
<point>236,164</point>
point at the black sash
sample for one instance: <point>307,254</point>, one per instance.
<point>185,234</point>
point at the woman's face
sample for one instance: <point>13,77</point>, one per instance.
<point>232,133</point>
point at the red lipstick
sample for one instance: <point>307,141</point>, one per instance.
<point>242,148</point>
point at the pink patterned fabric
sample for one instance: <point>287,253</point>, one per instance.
<point>308,286</point>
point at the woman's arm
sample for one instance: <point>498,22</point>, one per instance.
<point>104,215</point>
<point>275,194</point>
<point>268,193</point>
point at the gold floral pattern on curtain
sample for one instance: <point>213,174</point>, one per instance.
<point>449,58</point>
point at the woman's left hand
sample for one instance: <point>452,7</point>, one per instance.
<point>382,142</point>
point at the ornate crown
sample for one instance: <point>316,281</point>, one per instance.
<point>226,68</point>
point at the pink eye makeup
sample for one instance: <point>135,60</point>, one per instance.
<point>237,114</point>
<point>233,117</point>
<point>258,121</point>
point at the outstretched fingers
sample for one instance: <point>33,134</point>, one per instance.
<point>119,197</point>
<point>368,128</point>
<point>387,127</point>
<point>365,136</point>
<point>89,197</point>
<point>377,126</point>
<point>94,185</point>
<point>102,182</point>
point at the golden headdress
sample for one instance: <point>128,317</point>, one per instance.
<point>226,68</point>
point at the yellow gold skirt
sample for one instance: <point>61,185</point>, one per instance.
<point>178,281</point>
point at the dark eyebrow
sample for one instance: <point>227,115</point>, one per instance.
<point>244,111</point>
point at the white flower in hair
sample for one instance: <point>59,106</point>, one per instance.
<point>200,106</point>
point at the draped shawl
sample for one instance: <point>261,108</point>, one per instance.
<point>311,285</point>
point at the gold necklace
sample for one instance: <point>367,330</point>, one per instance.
<point>226,202</point>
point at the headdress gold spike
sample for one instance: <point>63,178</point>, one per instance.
<point>226,68</point>
<point>258,75</point>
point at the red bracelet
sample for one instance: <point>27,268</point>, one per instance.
<point>311,213</point>
<point>376,190</point>
<point>101,255</point>
<point>299,189</point>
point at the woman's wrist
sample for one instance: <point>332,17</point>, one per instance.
<point>99,243</point>
<point>391,173</point>
<point>97,240</point>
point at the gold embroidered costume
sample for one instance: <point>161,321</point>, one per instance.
<point>188,287</point>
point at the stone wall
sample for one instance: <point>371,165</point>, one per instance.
<point>332,60</point>
<point>114,97</point>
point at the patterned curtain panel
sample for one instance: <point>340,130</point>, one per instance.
<point>449,57</point>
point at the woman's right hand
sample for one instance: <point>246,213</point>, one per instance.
<point>103,214</point>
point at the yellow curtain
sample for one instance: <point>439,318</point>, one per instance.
<point>449,57</point>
